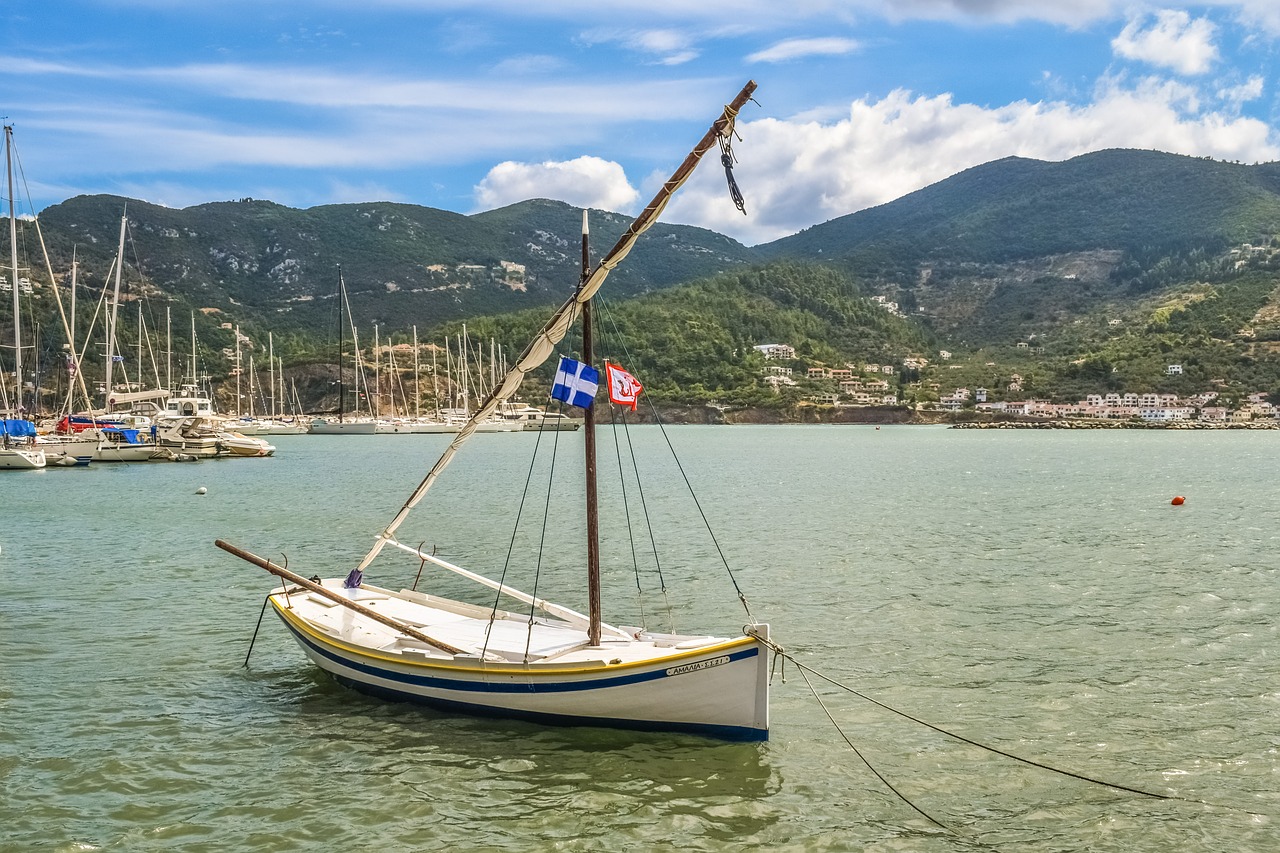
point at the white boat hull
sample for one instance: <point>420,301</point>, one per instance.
<point>15,459</point>
<point>344,427</point>
<point>98,448</point>
<point>719,688</point>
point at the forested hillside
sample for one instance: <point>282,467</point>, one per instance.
<point>695,342</point>
<point>1099,273</point>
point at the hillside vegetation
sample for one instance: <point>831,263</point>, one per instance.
<point>1089,275</point>
<point>695,342</point>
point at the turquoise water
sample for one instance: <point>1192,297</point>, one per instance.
<point>1031,590</point>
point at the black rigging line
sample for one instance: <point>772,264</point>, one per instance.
<point>515,528</point>
<point>648,521</point>
<point>1082,777</point>
<point>546,514</point>
<point>858,753</point>
<point>626,509</point>
<point>705,522</point>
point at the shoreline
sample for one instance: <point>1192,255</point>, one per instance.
<point>900,416</point>
<point>1101,424</point>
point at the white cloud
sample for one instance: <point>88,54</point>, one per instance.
<point>584,182</point>
<point>766,14</point>
<point>663,46</point>
<point>311,86</point>
<point>799,48</point>
<point>797,173</point>
<point>521,66</point>
<point>1236,96</point>
<point>1075,13</point>
<point>1173,40</point>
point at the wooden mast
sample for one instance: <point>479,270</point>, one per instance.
<point>589,431</point>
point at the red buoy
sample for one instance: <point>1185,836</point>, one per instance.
<point>1178,500</point>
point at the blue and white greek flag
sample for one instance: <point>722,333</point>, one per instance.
<point>576,383</point>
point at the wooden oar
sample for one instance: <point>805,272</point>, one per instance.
<point>294,577</point>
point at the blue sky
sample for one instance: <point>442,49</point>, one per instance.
<point>468,105</point>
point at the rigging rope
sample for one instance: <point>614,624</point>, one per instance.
<point>511,546</point>
<point>858,753</point>
<point>635,467</point>
<point>626,510</point>
<point>688,485</point>
<point>546,514</point>
<point>727,159</point>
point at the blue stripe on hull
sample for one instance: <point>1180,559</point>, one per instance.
<point>734,733</point>
<point>497,687</point>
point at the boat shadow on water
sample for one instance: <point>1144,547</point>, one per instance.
<point>526,780</point>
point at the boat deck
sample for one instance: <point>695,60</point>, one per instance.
<point>503,637</point>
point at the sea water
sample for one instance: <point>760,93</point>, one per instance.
<point>1034,591</point>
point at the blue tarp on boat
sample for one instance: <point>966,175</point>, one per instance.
<point>129,436</point>
<point>19,428</point>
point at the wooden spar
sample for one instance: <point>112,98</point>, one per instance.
<point>553,331</point>
<point>594,608</point>
<point>557,611</point>
<point>294,577</point>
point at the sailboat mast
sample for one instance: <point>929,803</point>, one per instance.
<point>271,362</point>
<point>594,609</point>
<point>195,382</point>
<point>417,392</point>
<point>142,333</point>
<point>111,321</point>
<point>376,408</point>
<point>75,272</point>
<point>342,391</point>
<point>13,265</point>
<point>435,378</point>
<point>238,372</point>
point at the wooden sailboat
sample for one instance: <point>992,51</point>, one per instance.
<point>562,667</point>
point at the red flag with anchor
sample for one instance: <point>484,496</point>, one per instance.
<point>624,389</point>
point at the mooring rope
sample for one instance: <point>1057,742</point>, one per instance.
<point>858,753</point>
<point>804,668</point>
<point>254,638</point>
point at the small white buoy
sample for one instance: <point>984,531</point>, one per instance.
<point>201,490</point>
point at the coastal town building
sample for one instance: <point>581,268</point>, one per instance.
<point>776,351</point>
<point>1150,407</point>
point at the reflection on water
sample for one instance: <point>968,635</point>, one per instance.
<point>1035,591</point>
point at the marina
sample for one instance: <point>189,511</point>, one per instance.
<point>1033,590</point>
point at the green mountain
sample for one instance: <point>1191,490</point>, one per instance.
<point>1100,270</point>
<point>1015,209</point>
<point>1017,249</point>
<point>264,265</point>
